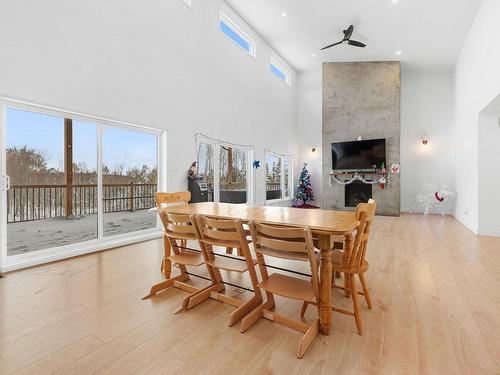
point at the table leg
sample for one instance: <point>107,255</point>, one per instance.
<point>325,310</point>
<point>166,263</point>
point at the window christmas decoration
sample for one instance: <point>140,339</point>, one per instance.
<point>304,187</point>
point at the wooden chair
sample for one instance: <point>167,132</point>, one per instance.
<point>225,234</point>
<point>169,199</point>
<point>180,228</point>
<point>286,243</point>
<point>353,262</point>
<point>370,208</point>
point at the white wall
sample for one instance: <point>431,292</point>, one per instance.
<point>426,106</point>
<point>309,123</point>
<point>477,83</point>
<point>488,170</point>
<point>155,63</point>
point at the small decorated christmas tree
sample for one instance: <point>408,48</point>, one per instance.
<point>304,187</point>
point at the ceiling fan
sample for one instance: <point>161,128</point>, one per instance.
<point>347,38</point>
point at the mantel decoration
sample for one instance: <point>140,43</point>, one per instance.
<point>382,177</point>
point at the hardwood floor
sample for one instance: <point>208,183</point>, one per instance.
<point>435,288</point>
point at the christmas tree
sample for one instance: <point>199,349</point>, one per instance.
<point>304,188</point>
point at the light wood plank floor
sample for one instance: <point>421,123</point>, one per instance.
<point>435,286</point>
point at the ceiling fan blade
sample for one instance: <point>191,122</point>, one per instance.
<point>356,44</point>
<point>348,32</point>
<point>332,45</point>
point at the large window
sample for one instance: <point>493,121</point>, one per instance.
<point>72,182</point>
<point>278,176</point>
<point>236,34</point>
<point>230,180</point>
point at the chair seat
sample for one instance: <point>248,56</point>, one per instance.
<point>229,264</point>
<point>339,265</point>
<point>290,287</point>
<point>187,258</point>
<point>293,255</point>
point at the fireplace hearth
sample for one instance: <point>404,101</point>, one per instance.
<point>357,192</point>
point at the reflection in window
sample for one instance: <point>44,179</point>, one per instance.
<point>206,166</point>
<point>273,176</point>
<point>233,175</point>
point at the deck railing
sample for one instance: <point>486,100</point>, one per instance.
<point>36,202</point>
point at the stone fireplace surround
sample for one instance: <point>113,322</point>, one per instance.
<point>362,99</point>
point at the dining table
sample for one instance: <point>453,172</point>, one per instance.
<point>324,225</point>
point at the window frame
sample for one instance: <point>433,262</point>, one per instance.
<point>13,262</point>
<point>217,145</point>
<point>279,66</point>
<point>223,17</point>
<point>282,157</point>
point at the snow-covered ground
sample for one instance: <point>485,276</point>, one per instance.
<point>47,233</point>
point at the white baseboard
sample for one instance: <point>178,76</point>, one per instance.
<point>488,233</point>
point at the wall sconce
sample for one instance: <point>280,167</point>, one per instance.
<point>425,139</point>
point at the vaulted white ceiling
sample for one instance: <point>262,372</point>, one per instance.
<point>429,33</point>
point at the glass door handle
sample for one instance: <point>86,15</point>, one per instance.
<point>5,183</point>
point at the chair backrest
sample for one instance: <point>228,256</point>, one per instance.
<point>284,241</point>
<point>221,232</point>
<point>182,197</point>
<point>178,226</point>
<point>369,208</point>
<point>365,213</point>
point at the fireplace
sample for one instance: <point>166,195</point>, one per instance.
<point>357,192</point>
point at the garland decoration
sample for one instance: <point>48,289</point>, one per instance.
<point>358,177</point>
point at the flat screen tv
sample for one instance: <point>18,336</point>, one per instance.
<point>358,155</point>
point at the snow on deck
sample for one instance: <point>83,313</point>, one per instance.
<point>36,235</point>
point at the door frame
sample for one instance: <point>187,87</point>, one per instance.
<point>3,191</point>
<point>10,263</point>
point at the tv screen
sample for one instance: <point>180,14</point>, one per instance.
<point>358,155</point>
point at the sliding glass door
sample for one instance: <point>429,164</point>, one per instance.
<point>130,180</point>
<point>51,164</point>
<point>69,182</point>
<point>226,169</point>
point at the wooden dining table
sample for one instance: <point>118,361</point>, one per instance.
<point>323,223</point>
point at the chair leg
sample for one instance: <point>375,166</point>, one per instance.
<point>255,315</point>
<point>347,282</point>
<point>243,310</point>
<point>365,290</point>
<point>304,308</point>
<point>306,340</point>
<point>166,264</point>
<point>357,313</point>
